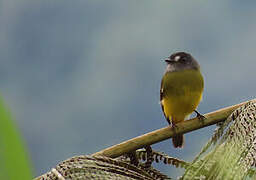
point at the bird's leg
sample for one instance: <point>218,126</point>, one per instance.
<point>173,125</point>
<point>171,122</point>
<point>199,116</point>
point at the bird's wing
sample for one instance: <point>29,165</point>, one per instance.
<point>162,95</point>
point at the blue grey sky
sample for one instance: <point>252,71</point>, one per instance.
<point>83,75</point>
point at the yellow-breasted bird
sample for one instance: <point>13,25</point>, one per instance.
<point>181,90</point>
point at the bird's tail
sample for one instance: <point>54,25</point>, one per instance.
<point>178,141</point>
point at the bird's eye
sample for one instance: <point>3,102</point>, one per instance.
<point>183,59</point>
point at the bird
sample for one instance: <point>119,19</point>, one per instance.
<point>181,91</point>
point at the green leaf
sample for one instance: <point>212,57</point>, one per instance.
<point>14,163</point>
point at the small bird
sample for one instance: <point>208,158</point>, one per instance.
<point>181,90</point>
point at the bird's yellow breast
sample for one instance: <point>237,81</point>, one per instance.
<point>183,93</point>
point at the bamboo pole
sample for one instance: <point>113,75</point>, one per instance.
<point>168,132</point>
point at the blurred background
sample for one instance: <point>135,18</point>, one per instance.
<point>83,75</point>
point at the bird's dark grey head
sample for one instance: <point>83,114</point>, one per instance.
<point>181,61</point>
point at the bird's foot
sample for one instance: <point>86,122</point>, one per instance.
<point>174,127</point>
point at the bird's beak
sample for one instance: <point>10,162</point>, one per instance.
<point>168,60</point>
